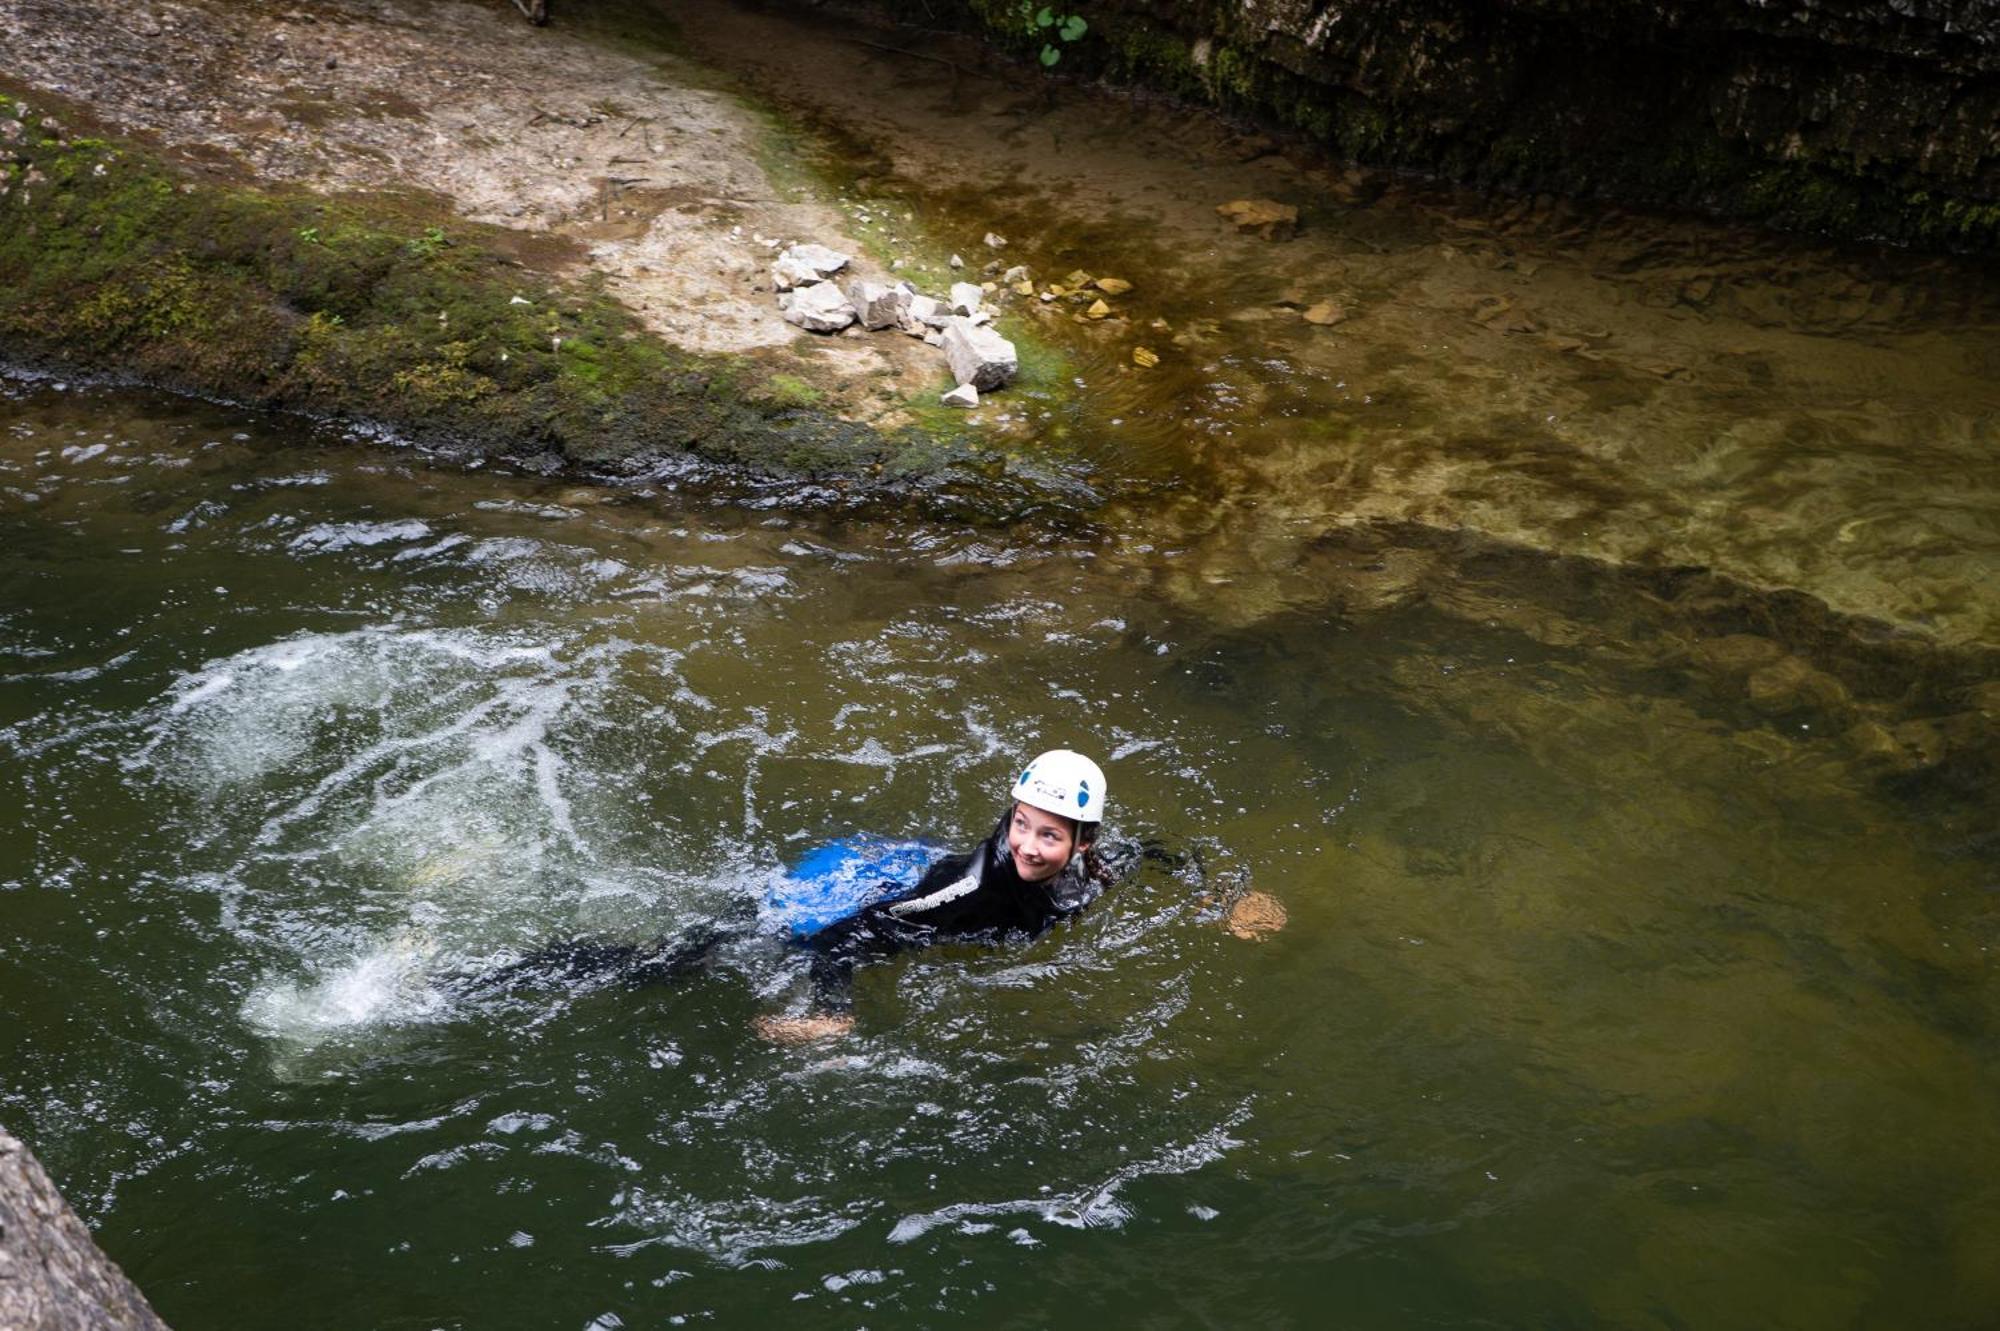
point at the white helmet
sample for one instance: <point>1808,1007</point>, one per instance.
<point>1065,783</point>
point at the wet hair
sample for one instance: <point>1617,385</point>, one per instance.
<point>1093,865</point>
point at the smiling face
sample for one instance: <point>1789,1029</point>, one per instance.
<point>1040,843</point>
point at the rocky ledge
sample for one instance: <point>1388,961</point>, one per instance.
<point>1853,118</point>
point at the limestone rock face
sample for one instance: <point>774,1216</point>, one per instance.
<point>53,1277</point>
<point>1861,117</point>
<point>979,356</point>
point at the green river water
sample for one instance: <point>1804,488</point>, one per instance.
<point>1617,729</point>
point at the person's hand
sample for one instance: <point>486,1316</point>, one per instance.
<point>1255,916</point>
<point>802,1030</point>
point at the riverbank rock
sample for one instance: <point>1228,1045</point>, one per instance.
<point>979,356</point>
<point>966,298</point>
<point>53,1276</point>
<point>1266,219</point>
<point>803,265</point>
<point>819,308</point>
<point>879,306</point>
<point>965,395</point>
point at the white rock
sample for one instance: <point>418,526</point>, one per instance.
<point>925,312</point>
<point>1018,273</point>
<point>965,395</point>
<point>995,242</point>
<point>957,262</point>
<point>966,297</point>
<point>876,305</point>
<point>979,356</point>
<point>802,265</point>
<point>933,338</point>
<point>819,308</point>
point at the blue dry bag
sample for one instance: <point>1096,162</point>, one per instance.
<point>841,878</point>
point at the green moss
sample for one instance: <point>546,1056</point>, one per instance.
<point>367,306</point>
<point>788,391</point>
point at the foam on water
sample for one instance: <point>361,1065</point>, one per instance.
<point>387,984</point>
<point>1092,1206</point>
<point>403,812</point>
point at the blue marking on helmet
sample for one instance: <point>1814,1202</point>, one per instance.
<point>1026,772</point>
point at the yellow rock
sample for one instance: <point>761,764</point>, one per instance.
<point>1055,291</point>
<point>1325,313</point>
<point>1113,286</point>
<point>1098,310</point>
<point>989,287</point>
<point>1145,357</point>
<point>1024,288</point>
<point>1266,218</point>
<point>1079,278</point>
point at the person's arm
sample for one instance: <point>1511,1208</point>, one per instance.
<point>909,919</point>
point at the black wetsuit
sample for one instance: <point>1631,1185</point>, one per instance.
<point>975,897</point>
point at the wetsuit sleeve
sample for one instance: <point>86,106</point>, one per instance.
<point>908,919</point>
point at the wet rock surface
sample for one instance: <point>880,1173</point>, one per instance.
<point>53,1276</point>
<point>1865,119</point>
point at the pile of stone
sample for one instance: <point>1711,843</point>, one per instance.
<point>808,295</point>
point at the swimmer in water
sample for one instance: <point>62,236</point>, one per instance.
<point>1039,867</point>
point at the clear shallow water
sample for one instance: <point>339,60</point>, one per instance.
<point>1619,986</point>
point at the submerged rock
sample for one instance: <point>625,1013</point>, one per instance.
<point>979,356</point>
<point>1325,314</point>
<point>819,308</point>
<point>803,265</point>
<point>1265,218</point>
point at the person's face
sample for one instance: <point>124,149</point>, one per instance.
<point>1041,843</point>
